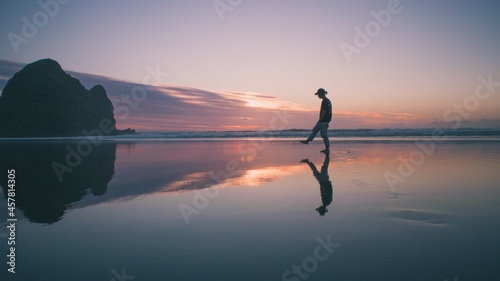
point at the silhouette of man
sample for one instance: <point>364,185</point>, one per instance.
<point>325,184</point>
<point>325,116</point>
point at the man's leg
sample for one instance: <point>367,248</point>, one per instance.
<point>324,134</point>
<point>313,133</point>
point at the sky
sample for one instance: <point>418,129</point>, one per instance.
<point>384,63</point>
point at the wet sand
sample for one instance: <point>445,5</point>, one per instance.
<point>254,210</point>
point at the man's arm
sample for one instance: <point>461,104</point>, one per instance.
<point>322,115</point>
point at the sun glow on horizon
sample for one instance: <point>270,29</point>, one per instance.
<point>258,100</point>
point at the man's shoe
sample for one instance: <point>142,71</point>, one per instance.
<point>305,141</point>
<point>326,151</point>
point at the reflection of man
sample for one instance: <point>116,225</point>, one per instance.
<point>325,184</point>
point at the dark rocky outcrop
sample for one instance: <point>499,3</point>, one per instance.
<point>42,100</point>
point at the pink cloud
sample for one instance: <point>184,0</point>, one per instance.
<point>176,108</point>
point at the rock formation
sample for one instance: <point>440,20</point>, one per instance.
<point>42,100</point>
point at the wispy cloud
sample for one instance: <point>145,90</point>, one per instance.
<point>177,108</point>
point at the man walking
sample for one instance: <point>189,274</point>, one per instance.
<point>325,116</point>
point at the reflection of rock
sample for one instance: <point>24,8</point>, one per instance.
<point>43,100</point>
<point>39,193</point>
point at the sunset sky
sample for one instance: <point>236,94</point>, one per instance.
<point>232,63</point>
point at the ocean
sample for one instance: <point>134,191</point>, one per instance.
<point>301,133</point>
